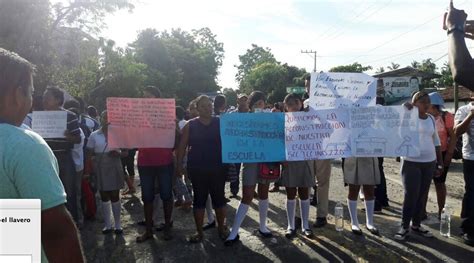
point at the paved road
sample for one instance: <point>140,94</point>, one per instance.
<point>327,246</point>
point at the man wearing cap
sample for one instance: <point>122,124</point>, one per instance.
<point>242,107</point>
<point>462,67</point>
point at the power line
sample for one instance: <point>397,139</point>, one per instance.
<point>315,56</point>
<point>405,52</point>
<point>339,26</point>
<point>364,19</point>
<point>404,33</point>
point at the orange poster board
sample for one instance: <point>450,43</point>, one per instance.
<point>141,123</point>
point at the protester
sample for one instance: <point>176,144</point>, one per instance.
<point>110,177</point>
<point>361,171</point>
<point>250,178</point>
<point>128,166</point>
<point>381,197</point>
<point>53,100</point>
<point>220,105</point>
<point>182,195</point>
<point>242,107</point>
<point>79,161</point>
<point>445,128</point>
<point>156,164</point>
<point>322,169</point>
<point>297,176</point>
<point>201,136</point>
<point>417,172</point>
<point>462,67</point>
<point>92,112</point>
<point>29,169</point>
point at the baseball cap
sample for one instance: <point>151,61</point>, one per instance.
<point>436,99</point>
<point>241,95</point>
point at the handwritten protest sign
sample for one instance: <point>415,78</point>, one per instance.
<point>385,131</point>
<point>50,124</point>
<point>252,137</point>
<point>341,90</point>
<point>313,135</point>
<point>141,123</point>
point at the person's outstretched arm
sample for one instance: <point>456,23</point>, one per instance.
<point>460,60</point>
<point>59,236</point>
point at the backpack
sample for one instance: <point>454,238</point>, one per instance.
<point>457,154</point>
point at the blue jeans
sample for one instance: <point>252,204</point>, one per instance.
<point>164,175</point>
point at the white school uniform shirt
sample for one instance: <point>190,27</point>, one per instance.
<point>429,139</point>
<point>78,153</point>
<point>98,143</point>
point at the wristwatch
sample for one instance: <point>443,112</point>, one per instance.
<point>440,167</point>
<point>453,28</point>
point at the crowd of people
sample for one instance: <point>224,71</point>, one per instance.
<point>59,170</point>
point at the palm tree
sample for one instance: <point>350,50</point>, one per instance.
<point>394,66</point>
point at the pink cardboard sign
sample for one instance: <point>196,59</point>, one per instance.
<point>141,123</point>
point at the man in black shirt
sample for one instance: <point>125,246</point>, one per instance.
<point>53,99</point>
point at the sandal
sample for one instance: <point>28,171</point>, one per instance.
<point>196,238</point>
<point>144,237</point>
<point>421,231</point>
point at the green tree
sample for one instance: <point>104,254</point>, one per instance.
<point>354,67</point>
<point>231,96</point>
<point>252,58</point>
<point>120,75</point>
<point>270,78</point>
<point>87,15</point>
<point>446,79</point>
<point>181,63</point>
<point>380,70</point>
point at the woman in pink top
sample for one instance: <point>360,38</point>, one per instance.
<point>156,164</point>
<point>444,126</point>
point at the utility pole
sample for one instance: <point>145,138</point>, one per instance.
<point>315,56</point>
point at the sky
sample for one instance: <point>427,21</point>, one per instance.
<point>373,33</point>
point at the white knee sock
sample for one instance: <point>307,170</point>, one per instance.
<point>210,214</point>
<point>290,213</point>
<point>239,218</point>
<point>304,211</point>
<point>353,213</point>
<point>107,214</point>
<point>263,210</point>
<point>369,213</point>
<point>116,209</point>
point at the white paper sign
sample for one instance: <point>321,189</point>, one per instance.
<point>50,124</point>
<point>385,131</point>
<point>342,90</point>
<point>313,135</point>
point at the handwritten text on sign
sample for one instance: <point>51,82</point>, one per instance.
<point>323,134</point>
<point>141,123</point>
<point>342,90</point>
<point>385,131</point>
<point>50,124</point>
<point>252,137</point>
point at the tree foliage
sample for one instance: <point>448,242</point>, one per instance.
<point>354,67</point>
<point>252,58</point>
